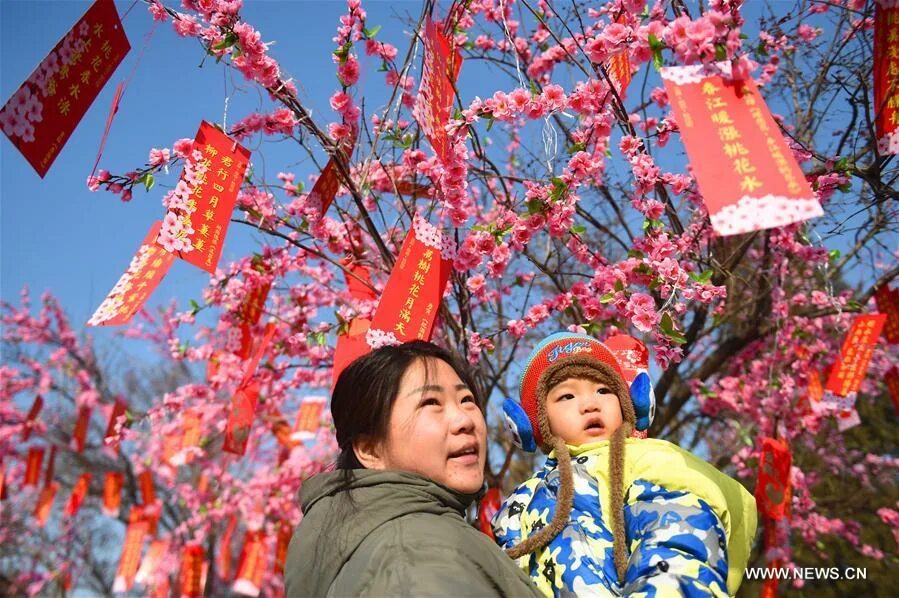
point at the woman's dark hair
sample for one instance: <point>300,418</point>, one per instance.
<point>366,390</point>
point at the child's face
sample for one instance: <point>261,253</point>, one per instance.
<point>582,411</point>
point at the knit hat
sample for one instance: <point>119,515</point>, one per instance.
<point>563,356</point>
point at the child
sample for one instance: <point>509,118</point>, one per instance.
<point>609,514</point>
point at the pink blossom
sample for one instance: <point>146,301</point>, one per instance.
<point>158,157</point>
<point>553,97</point>
<point>477,284</point>
<point>616,34</point>
<point>641,308</point>
<point>157,10</point>
<point>597,49</point>
<point>517,328</point>
<point>348,72</point>
<point>340,101</point>
<point>186,25</point>
<point>183,147</point>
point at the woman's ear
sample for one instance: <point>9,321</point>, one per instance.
<point>368,452</point>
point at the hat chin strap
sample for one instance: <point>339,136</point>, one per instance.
<point>563,505</point>
<point>616,495</point>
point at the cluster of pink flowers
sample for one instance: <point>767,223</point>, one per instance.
<point>177,226</point>
<point>520,102</point>
<point>476,346</point>
<point>698,40</point>
<point>279,121</point>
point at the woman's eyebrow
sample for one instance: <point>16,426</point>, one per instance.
<point>436,387</point>
<point>426,388</point>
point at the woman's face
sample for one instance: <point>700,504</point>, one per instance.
<point>436,429</point>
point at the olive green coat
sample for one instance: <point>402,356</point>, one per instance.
<point>393,534</point>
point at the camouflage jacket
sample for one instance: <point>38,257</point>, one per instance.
<point>689,527</point>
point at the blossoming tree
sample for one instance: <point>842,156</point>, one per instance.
<point>559,171</point>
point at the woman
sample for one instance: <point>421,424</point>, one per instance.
<point>390,520</point>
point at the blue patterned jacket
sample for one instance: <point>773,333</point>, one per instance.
<point>689,527</point>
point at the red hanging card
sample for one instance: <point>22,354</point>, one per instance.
<point>308,418</point>
<point>223,559</point>
<point>246,341</point>
<point>411,188</point>
<point>251,310</point>
<point>814,402</point>
<point>886,76</point>
<point>892,380</point>
<point>212,366</point>
<point>412,296</point>
<point>151,561</point>
<point>196,229</point>
<point>131,549</point>
<point>79,491</point>
<point>112,493</point>
<point>619,68</point>
<point>773,490</point>
<point>264,342</point>
<point>285,533</point>
<point>33,465</point>
<point>769,539</point>
<point>191,424</point>
<point>32,416</point>
<point>281,431</point>
<point>41,116</point>
<point>45,503</point>
<point>325,188</point>
<point>253,562</point>
<point>888,304</point>
<point>746,172</point>
<point>358,280</point>
<point>143,275</point>
<point>243,404</point>
<point>152,513</point>
<point>189,438</point>
<point>147,489</point>
<point>79,436</point>
<point>240,420</point>
<point>434,103</point>
<point>192,571</point>
<point>51,464</point>
<point>350,346</point>
<point>815,388</point>
<point>118,410</point>
<point>849,371</point>
<point>490,505</point>
<point>171,445</point>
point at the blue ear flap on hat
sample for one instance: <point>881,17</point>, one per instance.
<point>644,401</point>
<point>519,425</point>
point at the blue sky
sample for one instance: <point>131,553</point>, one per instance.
<point>54,233</point>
